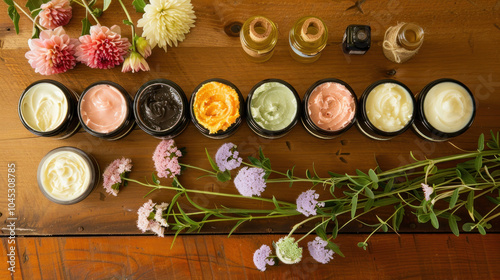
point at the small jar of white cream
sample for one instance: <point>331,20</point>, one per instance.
<point>387,109</point>
<point>67,175</point>
<point>445,109</point>
<point>48,108</point>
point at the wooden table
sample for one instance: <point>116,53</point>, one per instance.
<point>98,238</point>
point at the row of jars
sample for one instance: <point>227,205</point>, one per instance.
<point>443,109</point>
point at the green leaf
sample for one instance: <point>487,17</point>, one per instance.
<point>481,229</point>
<point>334,247</point>
<point>398,218</point>
<point>97,12</point>
<point>369,193</point>
<point>35,4</point>
<point>361,173</point>
<point>354,205</point>
<point>388,186</point>
<point>261,154</point>
<point>493,200</point>
<point>385,228</point>
<point>478,162</point>
<point>85,26</point>
<point>308,174</point>
<point>434,220</point>
<point>332,174</point>
<point>106,4</point>
<point>454,198</point>
<point>155,179</point>
<point>468,227</point>
<point>363,245</point>
<point>480,143</point>
<point>452,221</point>
<point>335,229</point>
<point>14,16</point>
<point>368,204</point>
<point>255,161</point>
<point>423,218</point>
<point>212,162</point>
<point>139,5</point>
<point>320,231</point>
<point>276,204</point>
<point>470,204</point>
<point>35,33</point>
<point>465,176</point>
<point>289,173</point>
<point>223,176</point>
<point>361,182</point>
<point>236,226</point>
<point>373,176</point>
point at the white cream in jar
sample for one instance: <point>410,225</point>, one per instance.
<point>44,107</point>
<point>448,107</point>
<point>65,175</point>
<point>389,107</point>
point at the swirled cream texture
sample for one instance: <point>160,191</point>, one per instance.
<point>44,107</point>
<point>331,106</point>
<point>448,107</point>
<point>389,107</point>
<point>273,106</point>
<point>103,108</point>
<point>216,106</point>
<point>65,175</point>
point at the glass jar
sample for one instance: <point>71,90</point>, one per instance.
<point>258,37</point>
<point>307,39</point>
<point>48,108</point>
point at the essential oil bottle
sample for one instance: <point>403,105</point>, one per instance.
<point>357,39</point>
<point>307,39</point>
<point>258,38</point>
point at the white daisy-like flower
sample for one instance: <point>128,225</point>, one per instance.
<point>165,22</point>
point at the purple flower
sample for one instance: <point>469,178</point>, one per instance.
<point>227,157</point>
<point>250,181</point>
<point>112,176</point>
<point>318,251</point>
<point>166,159</point>
<point>427,191</point>
<point>261,257</point>
<point>307,202</point>
<point>155,224</point>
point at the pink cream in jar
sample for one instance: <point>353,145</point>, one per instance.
<point>104,111</point>
<point>330,108</point>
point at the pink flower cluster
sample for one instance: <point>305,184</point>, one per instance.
<point>112,176</point>
<point>150,217</point>
<point>55,13</point>
<point>56,53</point>
<point>166,159</point>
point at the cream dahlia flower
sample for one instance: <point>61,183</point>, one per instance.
<point>165,22</point>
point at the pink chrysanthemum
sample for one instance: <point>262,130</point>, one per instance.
<point>427,191</point>
<point>148,218</point>
<point>53,53</point>
<point>261,257</point>
<point>55,13</point>
<point>318,251</point>
<point>112,176</point>
<point>307,203</point>
<point>104,48</point>
<point>166,159</point>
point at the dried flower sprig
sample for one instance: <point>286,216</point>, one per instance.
<point>476,174</point>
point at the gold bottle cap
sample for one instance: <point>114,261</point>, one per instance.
<point>314,22</point>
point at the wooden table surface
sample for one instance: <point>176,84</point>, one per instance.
<point>98,237</point>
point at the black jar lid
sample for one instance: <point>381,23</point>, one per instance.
<point>65,125</point>
<point>128,123</point>
<point>423,127</point>
<point>233,127</point>
<point>309,124</point>
<point>368,127</point>
<point>157,128</point>
<point>256,127</point>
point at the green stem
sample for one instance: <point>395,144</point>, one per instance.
<point>132,26</point>
<point>296,226</point>
<point>312,230</point>
<point>27,15</point>
<point>90,11</point>
<point>198,168</point>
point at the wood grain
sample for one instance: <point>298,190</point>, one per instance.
<point>408,256</point>
<point>461,42</point>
